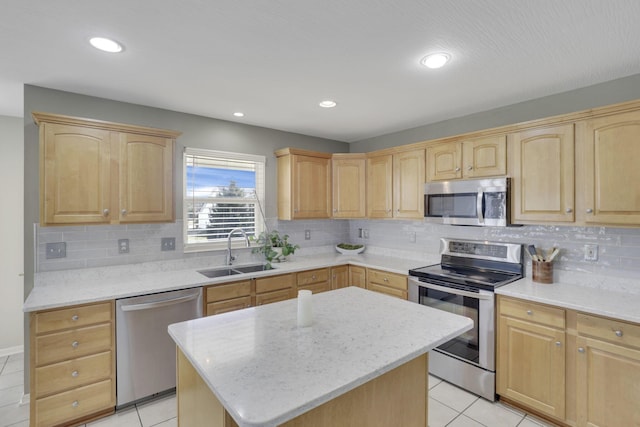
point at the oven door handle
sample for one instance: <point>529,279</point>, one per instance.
<point>479,200</point>
<point>454,291</point>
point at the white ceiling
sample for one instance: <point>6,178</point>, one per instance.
<point>276,59</point>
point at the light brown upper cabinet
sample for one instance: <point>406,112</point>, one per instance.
<point>95,172</point>
<point>395,185</point>
<point>541,165</point>
<point>472,158</point>
<point>610,149</point>
<point>349,185</point>
<point>304,184</point>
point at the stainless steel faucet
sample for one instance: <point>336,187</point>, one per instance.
<point>230,258</point>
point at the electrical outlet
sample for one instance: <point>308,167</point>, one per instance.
<point>307,234</point>
<point>590,252</point>
<point>412,237</point>
<point>365,233</point>
<point>123,246</point>
<point>168,244</point>
<point>56,250</point>
<point>360,233</point>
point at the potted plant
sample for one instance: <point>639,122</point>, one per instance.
<point>275,247</point>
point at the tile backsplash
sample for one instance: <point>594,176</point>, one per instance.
<point>97,246</point>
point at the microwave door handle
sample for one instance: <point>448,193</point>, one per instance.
<point>479,206</point>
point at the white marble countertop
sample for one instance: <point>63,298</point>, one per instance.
<point>265,370</point>
<point>69,287</point>
<point>604,300</point>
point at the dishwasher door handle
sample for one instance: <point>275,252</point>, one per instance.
<point>157,304</point>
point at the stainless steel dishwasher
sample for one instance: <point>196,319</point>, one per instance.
<point>145,353</point>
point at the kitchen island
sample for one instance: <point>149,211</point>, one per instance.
<point>362,362</point>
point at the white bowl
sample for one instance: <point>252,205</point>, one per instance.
<point>349,251</point>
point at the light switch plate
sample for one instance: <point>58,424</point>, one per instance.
<point>168,244</point>
<point>56,250</point>
<point>590,252</point>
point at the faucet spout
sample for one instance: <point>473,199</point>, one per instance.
<point>230,257</point>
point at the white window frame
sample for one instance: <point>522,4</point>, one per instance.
<point>237,240</point>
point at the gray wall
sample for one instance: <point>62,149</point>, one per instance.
<point>612,92</point>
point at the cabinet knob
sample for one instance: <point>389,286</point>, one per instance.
<point>580,350</point>
<point>74,374</point>
<point>335,210</point>
<point>589,210</point>
<point>313,277</point>
<point>105,212</point>
<point>388,210</point>
<point>530,313</point>
<point>75,317</point>
<point>458,169</point>
<point>295,210</point>
<point>618,333</point>
<point>124,212</point>
<point>469,168</point>
<point>75,404</point>
<point>558,343</point>
<point>569,210</point>
<point>385,279</point>
<point>75,344</point>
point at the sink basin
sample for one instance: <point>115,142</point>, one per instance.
<point>252,268</point>
<point>218,272</point>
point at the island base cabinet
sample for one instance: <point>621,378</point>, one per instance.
<point>397,398</point>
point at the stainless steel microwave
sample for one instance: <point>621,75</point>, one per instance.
<point>479,202</point>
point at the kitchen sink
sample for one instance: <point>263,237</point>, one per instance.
<point>218,272</point>
<point>252,268</point>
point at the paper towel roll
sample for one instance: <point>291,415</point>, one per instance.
<point>305,309</point>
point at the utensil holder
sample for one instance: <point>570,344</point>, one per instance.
<point>542,271</point>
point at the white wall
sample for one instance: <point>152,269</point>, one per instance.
<point>11,240</point>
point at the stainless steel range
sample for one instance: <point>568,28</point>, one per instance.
<point>463,283</point>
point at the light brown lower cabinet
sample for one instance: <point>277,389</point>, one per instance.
<point>576,369</point>
<point>316,281</point>
<point>387,283</point>
<point>339,277</point>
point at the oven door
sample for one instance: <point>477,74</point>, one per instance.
<point>476,346</point>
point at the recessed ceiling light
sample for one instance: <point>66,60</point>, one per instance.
<point>106,45</point>
<point>435,60</point>
<point>238,114</point>
<point>327,104</point>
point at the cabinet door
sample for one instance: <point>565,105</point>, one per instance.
<point>408,184</point>
<point>357,276</point>
<point>75,175</point>
<point>611,153</point>
<point>443,161</point>
<point>339,277</point>
<point>542,171</point>
<point>607,384</point>
<point>146,178</point>
<point>311,187</point>
<point>227,305</point>
<point>484,157</point>
<point>349,180</point>
<point>531,365</point>
<point>380,186</point>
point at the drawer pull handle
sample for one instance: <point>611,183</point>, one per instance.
<point>75,344</point>
<point>530,313</point>
<point>75,374</point>
<point>385,279</point>
<point>313,277</point>
<point>580,350</point>
<point>618,332</point>
<point>558,343</point>
<point>75,404</point>
<point>75,317</point>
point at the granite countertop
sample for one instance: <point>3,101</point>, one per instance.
<point>265,370</point>
<point>598,295</point>
<point>69,287</point>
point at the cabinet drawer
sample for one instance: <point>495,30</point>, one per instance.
<point>275,296</point>
<point>220,307</point>
<point>312,276</point>
<point>384,278</point>
<point>228,291</point>
<point>394,292</point>
<point>72,344</point>
<point>533,312</point>
<point>73,317</point>
<point>273,283</point>
<point>72,373</point>
<point>317,287</point>
<point>614,331</point>
<point>74,404</point>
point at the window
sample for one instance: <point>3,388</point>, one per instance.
<point>222,191</point>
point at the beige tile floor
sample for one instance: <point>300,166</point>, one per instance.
<point>448,406</point>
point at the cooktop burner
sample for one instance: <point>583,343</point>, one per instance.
<point>483,279</point>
